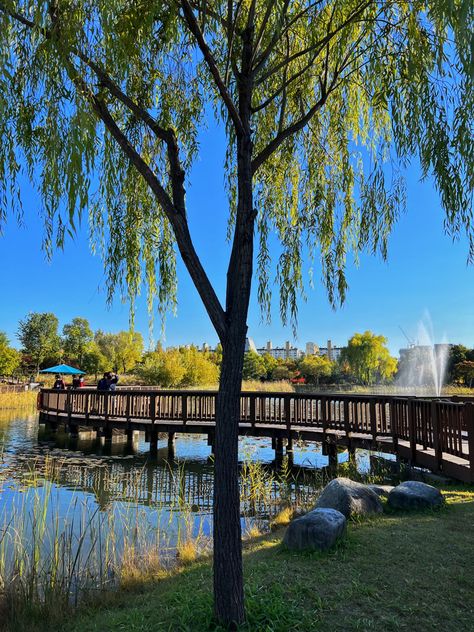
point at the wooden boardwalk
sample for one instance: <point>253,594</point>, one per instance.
<point>434,433</point>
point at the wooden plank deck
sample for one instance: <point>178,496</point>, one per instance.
<point>433,433</point>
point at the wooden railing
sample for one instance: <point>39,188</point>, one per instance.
<point>442,426</point>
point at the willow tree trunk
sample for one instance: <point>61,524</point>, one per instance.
<point>228,574</point>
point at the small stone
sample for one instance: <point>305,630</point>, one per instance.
<point>317,530</point>
<point>350,498</point>
<point>415,495</point>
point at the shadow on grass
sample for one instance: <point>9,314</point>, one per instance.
<point>399,571</point>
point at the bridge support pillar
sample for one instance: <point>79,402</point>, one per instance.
<point>278,447</point>
<point>73,430</point>
<point>153,442</point>
<point>171,445</point>
<point>105,433</point>
<point>210,442</point>
<point>51,426</point>
<point>351,453</point>
<point>330,450</point>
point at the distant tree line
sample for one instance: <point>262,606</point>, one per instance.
<point>42,345</point>
<point>364,360</point>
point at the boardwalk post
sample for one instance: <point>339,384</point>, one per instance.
<point>437,438</point>
<point>412,430</point>
<point>347,423</point>
<point>347,427</point>
<point>127,407</point>
<point>87,405</point>
<point>253,414</point>
<point>287,404</point>
<point>106,406</point>
<point>469,425</point>
<point>393,412</point>
<point>324,416</point>
<point>373,420</point>
<point>127,416</point>
<point>153,408</point>
<point>184,408</point>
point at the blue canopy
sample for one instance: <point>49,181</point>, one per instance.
<point>63,368</point>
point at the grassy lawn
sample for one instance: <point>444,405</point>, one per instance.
<point>398,572</point>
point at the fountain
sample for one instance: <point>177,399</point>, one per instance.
<point>423,365</point>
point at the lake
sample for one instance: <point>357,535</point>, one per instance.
<point>78,509</point>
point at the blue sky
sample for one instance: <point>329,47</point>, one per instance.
<point>425,271</point>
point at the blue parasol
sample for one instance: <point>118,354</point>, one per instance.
<point>65,369</point>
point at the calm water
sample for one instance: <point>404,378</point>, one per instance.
<point>104,497</point>
<point>108,473</point>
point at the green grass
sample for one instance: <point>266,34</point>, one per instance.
<point>399,572</point>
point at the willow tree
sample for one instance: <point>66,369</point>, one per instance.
<point>323,102</point>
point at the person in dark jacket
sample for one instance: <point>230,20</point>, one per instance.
<point>59,384</point>
<point>104,383</point>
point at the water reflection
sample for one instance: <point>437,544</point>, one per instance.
<point>125,471</point>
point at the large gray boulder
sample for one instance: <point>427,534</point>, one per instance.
<point>317,530</point>
<point>415,495</point>
<point>350,498</point>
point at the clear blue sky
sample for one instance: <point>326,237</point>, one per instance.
<point>425,271</point>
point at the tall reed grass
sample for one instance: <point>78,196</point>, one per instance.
<point>60,545</point>
<point>25,400</point>
<point>280,386</point>
<point>56,552</point>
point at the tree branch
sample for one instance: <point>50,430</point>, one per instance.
<point>212,65</point>
<point>315,46</point>
<point>286,133</point>
<point>261,59</point>
<point>285,84</point>
<point>174,209</point>
<point>176,219</point>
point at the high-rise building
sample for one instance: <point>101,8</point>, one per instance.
<point>333,353</point>
<point>250,345</point>
<point>312,348</point>
<point>288,352</point>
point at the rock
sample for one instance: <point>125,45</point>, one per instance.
<point>350,498</point>
<point>381,490</point>
<point>415,495</point>
<point>317,530</point>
